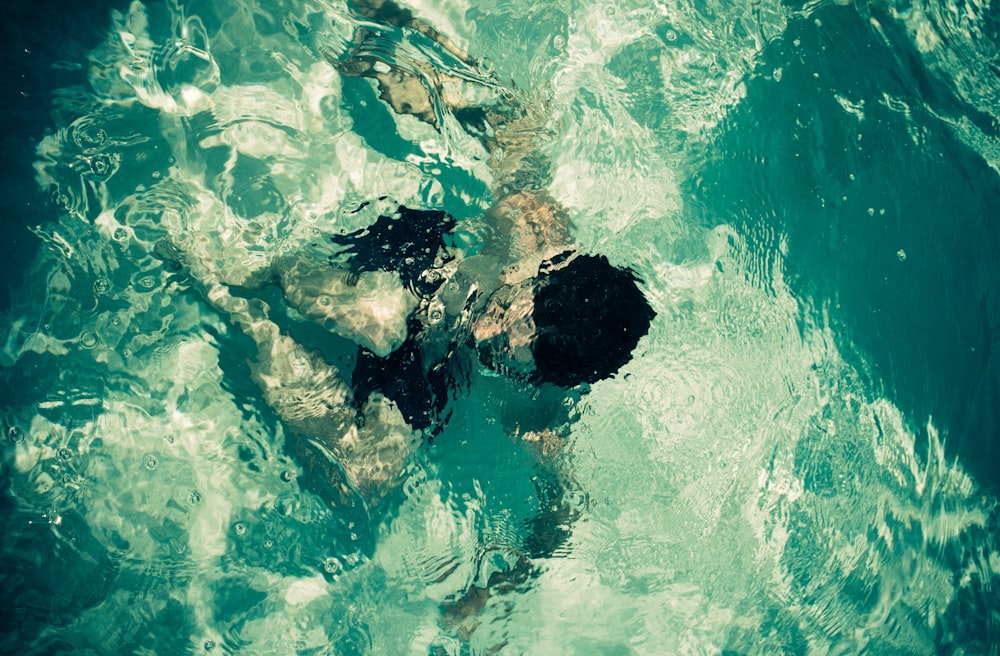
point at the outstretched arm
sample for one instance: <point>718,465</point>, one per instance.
<point>512,125</point>
<point>388,12</point>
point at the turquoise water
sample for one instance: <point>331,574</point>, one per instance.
<point>800,459</point>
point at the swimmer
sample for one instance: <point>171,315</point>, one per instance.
<point>422,301</point>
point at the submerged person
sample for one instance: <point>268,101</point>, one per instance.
<point>424,301</point>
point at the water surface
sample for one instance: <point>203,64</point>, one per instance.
<point>800,459</point>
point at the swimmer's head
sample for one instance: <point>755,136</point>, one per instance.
<point>577,322</point>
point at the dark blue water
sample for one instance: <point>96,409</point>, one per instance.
<point>43,47</point>
<point>890,222</point>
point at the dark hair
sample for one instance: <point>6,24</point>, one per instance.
<point>589,316</point>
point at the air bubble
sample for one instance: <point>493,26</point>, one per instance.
<point>268,544</point>
<point>89,137</point>
<point>147,282</point>
<point>151,462</point>
<point>62,200</point>
<point>671,35</point>
<point>101,286</point>
<point>240,529</point>
<point>88,339</point>
<point>101,165</point>
<point>15,435</point>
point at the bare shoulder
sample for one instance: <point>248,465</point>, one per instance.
<point>535,223</point>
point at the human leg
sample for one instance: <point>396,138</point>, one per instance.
<point>370,308</point>
<point>313,400</point>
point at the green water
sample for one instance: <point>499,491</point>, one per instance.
<point>800,459</point>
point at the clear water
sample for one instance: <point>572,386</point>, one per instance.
<point>801,459</point>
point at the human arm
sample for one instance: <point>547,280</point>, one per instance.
<point>390,13</point>
<point>561,501</point>
<point>512,124</point>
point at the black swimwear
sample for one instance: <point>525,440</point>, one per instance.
<point>412,244</point>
